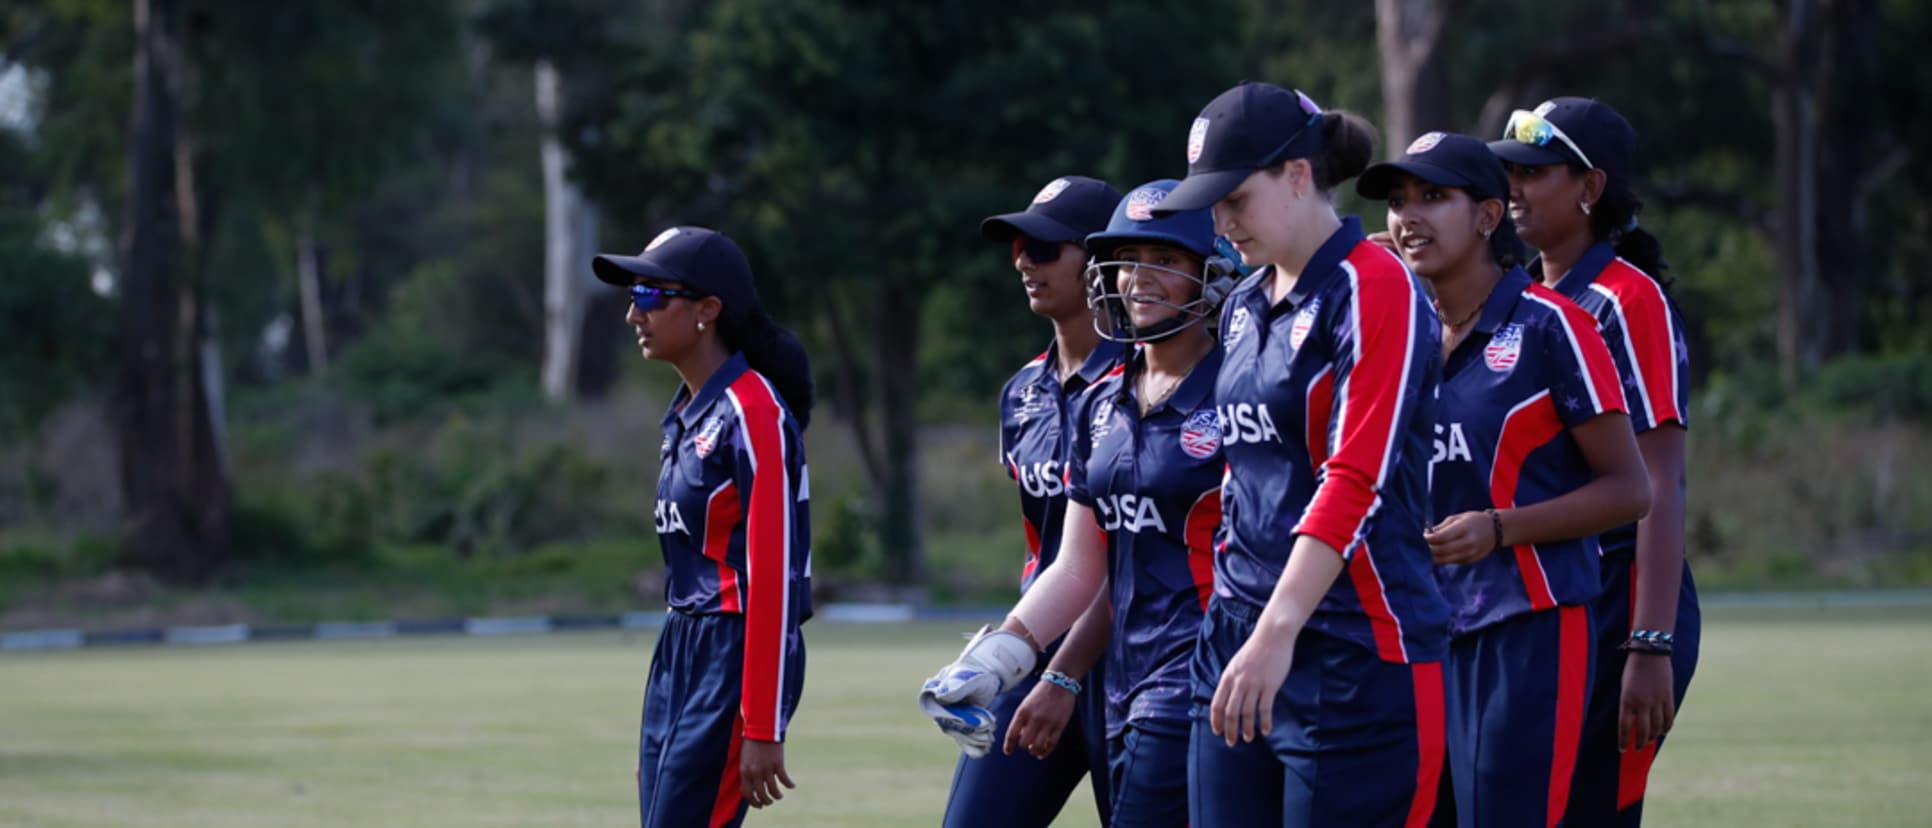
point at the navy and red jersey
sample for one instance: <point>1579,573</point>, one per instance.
<point>1327,407</point>
<point>1645,333</point>
<point>1154,483</point>
<point>1034,444</point>
<point>733,520</point>
<point>1533,368</point>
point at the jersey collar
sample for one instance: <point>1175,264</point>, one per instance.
<point>1195,388</point>
<point>1576,282</point>
<point>734,367</point>
<point>1502,300</point>
<point>1105,355</point>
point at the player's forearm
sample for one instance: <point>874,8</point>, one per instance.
<point>1618,491</point>
<point>1660,535</point>
<point>1068,586</point>
<point>1087,642</point>
<point>1312,568</point>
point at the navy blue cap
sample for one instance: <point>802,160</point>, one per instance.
<point>1607,141</point>
<point>704,260</point>
<point>1065,210</point>
<point>1134,221</point>
<point>1249,127</point>
<point>1445,159</point>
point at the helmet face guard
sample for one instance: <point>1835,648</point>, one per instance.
<point>1113,318</point>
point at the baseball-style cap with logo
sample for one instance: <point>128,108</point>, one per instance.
<point>1247,128</point>
<point>1445,159</point>
<point>1570,130</point>
<point>1134,221</point>
<point>1065,210</point>
<point>701,259</point>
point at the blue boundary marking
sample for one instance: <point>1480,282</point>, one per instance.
<point>69,639</point>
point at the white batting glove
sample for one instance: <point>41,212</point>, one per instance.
<point>958,697</point>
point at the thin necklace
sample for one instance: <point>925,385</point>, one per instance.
<point>1465,320</point>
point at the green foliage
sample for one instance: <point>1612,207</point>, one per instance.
<point>57,329</point>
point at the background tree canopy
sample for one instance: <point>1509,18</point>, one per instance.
<point>304,243</point>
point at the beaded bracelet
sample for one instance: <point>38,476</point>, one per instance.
<point>1653,642</point>
<point>1062,681</point>
<point>1496,522</point>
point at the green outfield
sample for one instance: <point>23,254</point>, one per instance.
<point>1798,718</point>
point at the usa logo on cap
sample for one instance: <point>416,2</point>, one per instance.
<point>1424,144</point>
<point>1196,139</point>
<point>1201,434</point>
<point>661,238</point>
<point>1304,322</point>
<point>1505,348</point>
<point>1051,191</point>
<point>1140,205</point>
<point>707,439</point>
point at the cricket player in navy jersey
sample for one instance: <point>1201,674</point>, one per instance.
<point>1570,163</point>
<point>1318,675</point>
<point>1534,457</point>
<point>1143,480</point>
<point>996,788</point>
<point>732,520</point>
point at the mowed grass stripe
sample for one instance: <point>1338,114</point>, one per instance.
<point>1800,718</point>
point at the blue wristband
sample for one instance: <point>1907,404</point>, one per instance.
<point>1062,681</point>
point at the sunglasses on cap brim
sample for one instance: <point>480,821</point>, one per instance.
<point>1041,252</point>
<point>647,298</point>
<point>1526,127</point>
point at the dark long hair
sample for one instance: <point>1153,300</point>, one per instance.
<point>1504,245</point>
<point>1348,146</point>
<point>776,353</point>
<point>1614,219</point>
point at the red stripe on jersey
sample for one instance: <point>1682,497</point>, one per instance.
<point>1382,318</point>
<point>1321,406</point>
<point>1572,680</point>
<point>1375,604</point>
<point>1431,741</point>
<point>1032,549</point>
<point>1202,519</point>
<point>1586,347</point>
<point>721,513</point>
<point>1639,302</point>
<point>768,553</point>
<point>1633,766</point>
<point>731,794</point>
<point>1531,424</point>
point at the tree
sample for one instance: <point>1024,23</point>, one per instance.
<point>1415,84</point>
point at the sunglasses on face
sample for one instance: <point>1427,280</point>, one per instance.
<point>1041,252</point>
<point>648,298</point>
<point>1526,127</point>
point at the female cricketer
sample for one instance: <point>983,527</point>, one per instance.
<point>1317,676</point>
<point>732,520</point>
<point>1145,472</point>
<point>1570,163</point>
<point>1023,789</point>
<point>1534,457</point>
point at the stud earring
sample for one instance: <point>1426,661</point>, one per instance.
<point>1584,206</point>
<point>700,326</point>
<point>1487,231</point>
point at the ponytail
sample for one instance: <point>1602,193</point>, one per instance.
<point>1348,146</point>
<point>1504,245</point>
<point>1615,220</point>
<point>776,353</point>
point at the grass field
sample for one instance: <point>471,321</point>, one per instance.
<point>1796,718</point>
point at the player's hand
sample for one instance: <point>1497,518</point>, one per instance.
<point>1244,701</point>
<point>958,697</point>
<point>1385,239</point>
<point>1463,538</point>
<point>761,768</point>
<point>1647,707</point>
<point>1041,719</point>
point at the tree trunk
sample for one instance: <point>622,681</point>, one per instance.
<point>176,489</point>
<point>1794,114</point>
<point>1415,81</point>
<point>570,239</point>
<point>903,524</point>
<point>308,275</point>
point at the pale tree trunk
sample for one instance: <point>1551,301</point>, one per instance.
<point>176,488</point>
<point>570,239</point>
<point>1415,82</point>
<point>308,275</point>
